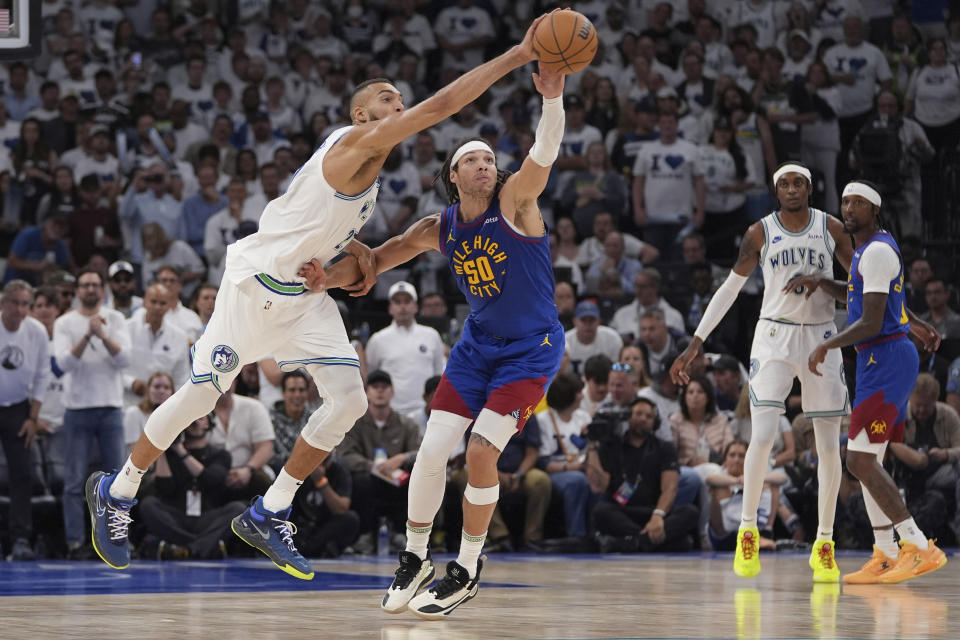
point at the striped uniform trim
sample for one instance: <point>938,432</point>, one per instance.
<point>418,529</point>
<point>796,234</point>
<point>282,288</point>
<point>207,377</point>
<point>347,362</point>
<point>836,413</point>
<point>765,403</point>
<point>797,324</point>
<point>343,196</point>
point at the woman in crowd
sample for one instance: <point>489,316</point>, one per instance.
<point>62,198</point>
<point>634,356</point>
<point>933,98</point>
<point>820,140</point>
<point>159,388</point>
<point>728,174</point>
<point>700,433</point>
<point>33,163</point>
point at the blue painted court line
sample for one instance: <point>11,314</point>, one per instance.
<point>59,578</point>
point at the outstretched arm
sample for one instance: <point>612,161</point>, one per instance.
<point>518,200</point>
<point>382,135</point>
<point>422,236</point>
<point>867,325</point>
<point>722,300</point>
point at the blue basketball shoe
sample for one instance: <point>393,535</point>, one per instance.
<point>109,519</point>
<point>272,534</point>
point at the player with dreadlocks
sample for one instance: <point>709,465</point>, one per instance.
<point>510,350</point>
<point>887,363</point>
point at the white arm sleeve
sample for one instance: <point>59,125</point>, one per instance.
<point>878,266</point>
<point>719,304</point>
<point>546,143</point>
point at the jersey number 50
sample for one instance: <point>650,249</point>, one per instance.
<point>478,269</point>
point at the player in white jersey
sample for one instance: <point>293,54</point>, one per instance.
<point>263,307</point>
<point>793,242</point>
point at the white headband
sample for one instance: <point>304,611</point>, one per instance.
<point>473,145</point>
<point>791,168</point>
<point>865,191</point>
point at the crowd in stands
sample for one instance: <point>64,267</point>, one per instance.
<point>149,135</point>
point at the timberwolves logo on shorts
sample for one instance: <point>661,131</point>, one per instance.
<point>224,359</point>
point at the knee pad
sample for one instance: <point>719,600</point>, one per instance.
<point>765,422</point>
<point>444,431</point>
<point>344,402</point>
<point>496,428</point>
<point>827,433</point>
<point>480,497</point>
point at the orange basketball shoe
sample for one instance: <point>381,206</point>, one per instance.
<point>880,564</point>
<point>914,562</point>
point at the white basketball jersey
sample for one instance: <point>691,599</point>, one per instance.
<point>311,220</point>
<point>787,254</point>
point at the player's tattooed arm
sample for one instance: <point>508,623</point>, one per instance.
<point>750,246</point>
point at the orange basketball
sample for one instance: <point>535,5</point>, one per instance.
<point>565,41</point>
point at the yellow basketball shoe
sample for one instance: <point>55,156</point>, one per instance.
<point>746,560</point>
<point>823,563</point>
<point>876,567</point>
<point>914,562</point>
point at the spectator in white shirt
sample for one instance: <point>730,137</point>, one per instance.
<point>592,248</point>
<point>243,428</point>
<point>156,345</point>
<point>159,387</point>
<point>589,337</point>
<point>222,225</point>
<point>856,66</point>
<point>25,369</point>
<point>666,174</point>
<point>91,347</point>
<point>410,352</point>
<point>577,136</point>
<point>462,31</point>
<point>178,315</point>
<point>647,287</point>
<point>159,250</point>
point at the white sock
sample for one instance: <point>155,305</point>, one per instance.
<point>125,485</point>
<point>280,494</point>
<point>417,540</point>
<point>886,542</point>
<point>765,421</point>
<point>910,532</point>
<point>829,471</point>
<point>470,547</point>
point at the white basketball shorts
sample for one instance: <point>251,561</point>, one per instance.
<point>780,352</point>
<point>261,317</point>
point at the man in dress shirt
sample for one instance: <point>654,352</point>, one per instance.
<point>157,345</point>
<point>24,373</point>
<point>177,314</point>
<point>91,347</point>
<point>646,284</point>
<point>410,352</point>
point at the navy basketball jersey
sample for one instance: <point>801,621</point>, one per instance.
<point>895,318</point>
<point>506,277</point>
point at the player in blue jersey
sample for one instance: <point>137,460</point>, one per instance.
<point>510,350</point>
<point>887,364</point>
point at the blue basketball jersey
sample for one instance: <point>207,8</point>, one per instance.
<point>895,315</point>
<point>506,277</point>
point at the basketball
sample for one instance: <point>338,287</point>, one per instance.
<point>565,41</point>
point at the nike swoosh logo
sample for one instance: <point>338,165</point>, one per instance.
<point>100,506</point>
<point>265,534</point>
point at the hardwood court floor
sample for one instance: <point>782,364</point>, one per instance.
<point>522,597</point>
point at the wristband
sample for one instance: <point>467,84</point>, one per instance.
<point>659,512</point>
